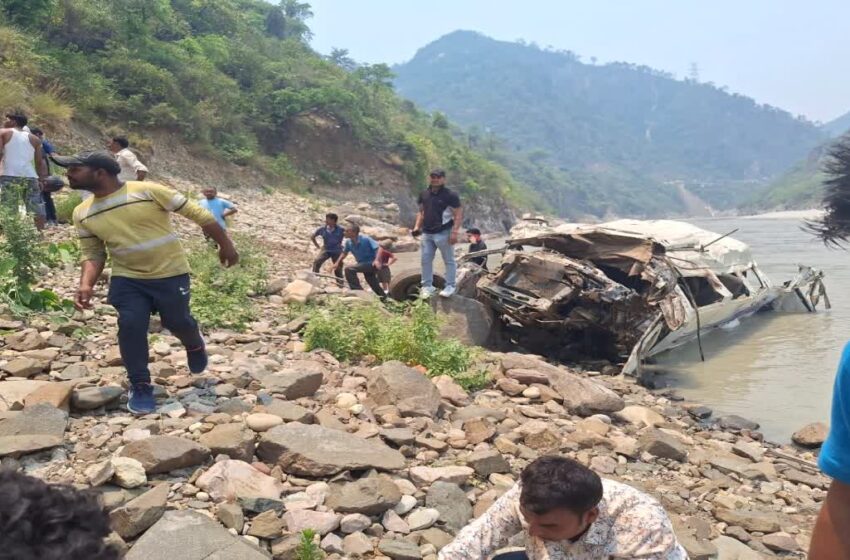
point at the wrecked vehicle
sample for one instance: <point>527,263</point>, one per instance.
<point>627,290</point>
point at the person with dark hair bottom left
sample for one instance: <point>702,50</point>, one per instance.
<point>568,513</point>
<point>41,521</point>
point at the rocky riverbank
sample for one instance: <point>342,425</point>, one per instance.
<point>378,459</point>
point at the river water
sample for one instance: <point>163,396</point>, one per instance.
<point>776,369</point>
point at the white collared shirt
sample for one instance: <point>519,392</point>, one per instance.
<point>130,165</point>
<point>631,524</point>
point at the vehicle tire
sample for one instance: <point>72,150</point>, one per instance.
<point>405,285</point>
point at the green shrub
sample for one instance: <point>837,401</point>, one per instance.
<point>22,255</point>
<point>410,334</point>
<point>307,548</point>
<point>222,297</point>
<point>65,205</point>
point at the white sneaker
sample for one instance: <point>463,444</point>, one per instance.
<point>426,293</point>
<point>448,291</point>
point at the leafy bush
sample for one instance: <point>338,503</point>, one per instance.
<point>22,255</point>
<point>221,297</point>
<point>409,334</point>
<point>65,205</point>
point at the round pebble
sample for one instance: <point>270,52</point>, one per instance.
<point>531,393</point>
<point>346,400</point>
<point>261,422</point>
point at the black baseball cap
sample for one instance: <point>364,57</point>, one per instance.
<point>96,160</point>
<point>439,172</point>
<point>474,231</point>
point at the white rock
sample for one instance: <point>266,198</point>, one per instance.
<point>129,473</point>
<point>346,400</point>
<point>406,487</point>
<point>355,522</point>
<point>406,504</point>
<point>422,518</point>
<point>261,422</point>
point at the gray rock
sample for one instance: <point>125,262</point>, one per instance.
<point>584,397</point>
<point>369,496</point>
<point>660,444</point>
<point>399,550</point>
<point>749,450</point>
<point>192,536</point>
<point>137,515</point>
<point>466,319</point>
<point>399,436</point>
<point>698,549</point>
<point>781,542</point>
<point>89,398</point>
<point>474,411</point>
<point>737,423</point>
<point>310,450</point>
<point>451,501</point>
<point>731,549</point>
<point>38,427</point>
<point>233,407</point>
<point>700,412</point>
<point>267,525</point>
<point>301,379</point>
<point>161,454</point>
<point>254,504</point>
<point>354,522</point>
<point>422,518</point>
<point>486,463</point>
<point>290,412</point>
<point>23,366</point>
<point>436,537</point>
<point>393,383</point>
<point>233,440</point>
<point>810,480</point>
<point>231,516</point>
<point>357,544</point>
<point>751,520</point>
<point>332,544</point>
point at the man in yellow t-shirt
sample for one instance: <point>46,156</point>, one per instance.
<point>131,221</point>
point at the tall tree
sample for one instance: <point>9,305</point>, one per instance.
<point>340,58</point>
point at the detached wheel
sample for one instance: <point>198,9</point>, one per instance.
<point>405,285</point>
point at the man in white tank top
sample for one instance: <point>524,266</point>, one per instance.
<point>21,163</point>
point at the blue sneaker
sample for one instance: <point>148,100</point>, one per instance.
<point>141,399</point>
<point>197,359</point>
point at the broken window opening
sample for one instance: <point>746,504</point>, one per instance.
<point>735,284</point>
<point>702,290</point>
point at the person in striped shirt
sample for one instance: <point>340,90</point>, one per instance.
<point>131,222</point>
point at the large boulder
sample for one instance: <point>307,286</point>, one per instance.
<point>369,496</point>
<point>35,428</point>
<point>191,536</point>
<point>161,454</point>
<point>662,444</point>
<point>233,440</point>
<point>811,436</point>
<point>311,450</point>
<point>229,480</point>
<point>137,515</point>
<point>393,383</point>
<point>581,396</point>
<point>14,393</point>
<point>465,319</point>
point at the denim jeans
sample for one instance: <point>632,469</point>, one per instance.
<point>430,243</point>
<point>135,300</point>
<point>515,555</point>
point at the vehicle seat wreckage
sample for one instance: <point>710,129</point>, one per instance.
<point>627,290</point>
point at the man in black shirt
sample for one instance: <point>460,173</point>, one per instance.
<point>439,219</point>
<point>473,235</point>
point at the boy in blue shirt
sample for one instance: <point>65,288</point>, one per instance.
<point>332,235</point>
<point>365,251</point>
<point>218,207</point>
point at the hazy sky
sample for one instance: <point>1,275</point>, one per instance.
<point>789,53</point>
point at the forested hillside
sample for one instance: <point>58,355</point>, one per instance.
<point>839,126</point>
<point>234,78</point>
<point>625,134</point>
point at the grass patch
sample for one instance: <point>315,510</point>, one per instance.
<point>223,297</point>
<point>407,332</point>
